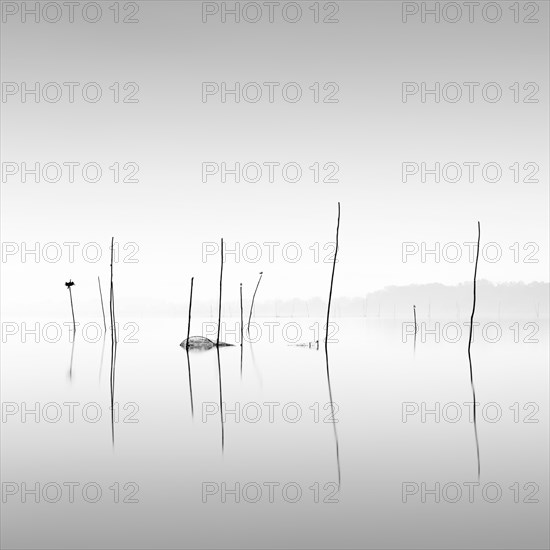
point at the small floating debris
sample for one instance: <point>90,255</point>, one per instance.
<point>201,343</point>
<point>311,345</point>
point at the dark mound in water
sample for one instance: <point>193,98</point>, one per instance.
<point>201,343</point>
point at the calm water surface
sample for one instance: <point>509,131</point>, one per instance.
<point>402,414</point>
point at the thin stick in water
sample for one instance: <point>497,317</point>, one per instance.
<point>102,308</point>
<point>220,301</point>
<point>113,343</point>
<point>69,285</point>
<point>252,304</point>
<point>332,277</point>
<point>218,348</point>
<point>326,349</point>
<point>221,396</point>
<point>71,363</point>
<point>189,317</point>
<point>102,355</point>
<point>187,350</point>
<point>241,295</point>
<point>469,352</point>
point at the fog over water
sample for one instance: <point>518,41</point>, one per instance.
<point>164,127</point>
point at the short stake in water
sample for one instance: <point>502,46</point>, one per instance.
<point>69,285</point>
<point>415,328</point>
<point>252,304</point>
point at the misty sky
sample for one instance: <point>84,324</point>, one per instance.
<point>369,133</point>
